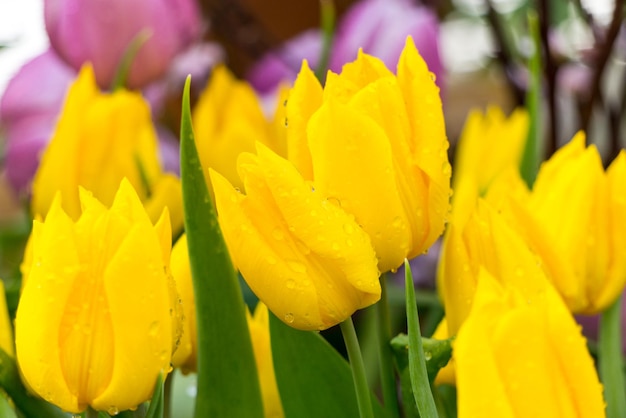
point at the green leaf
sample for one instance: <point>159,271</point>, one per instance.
<point>228,385</point>
<point>529,165</point>
<point>156,403</point>
<point>30,406</point>
<point>437,353</point>
<point>610,360</point>
<point>121,73</point>
<point>327,18</point>
<point>417,363</point>
<point>313,379</point>
<point>6,410</point>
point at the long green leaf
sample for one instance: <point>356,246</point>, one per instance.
<point>610,360</point>
<point>314,380</point>
<point>531,158</point>
<point>228,385</point>
<point>417,363</point>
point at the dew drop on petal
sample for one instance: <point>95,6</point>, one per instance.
<point>291,284</point>
<point>289,318</point>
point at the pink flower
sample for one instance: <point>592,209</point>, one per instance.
<point>379,27</point>
<point>99,32</point>
<point>28,113</point>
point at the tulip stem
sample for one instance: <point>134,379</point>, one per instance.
<point>387,375</point>
<point>610,360</point>
<point>358,369</point>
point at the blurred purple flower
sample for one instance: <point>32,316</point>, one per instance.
<point>100,31</point>
<point>380,27</point>
<point>28,113</point>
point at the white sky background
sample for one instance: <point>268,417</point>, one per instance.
<point>22,28</point>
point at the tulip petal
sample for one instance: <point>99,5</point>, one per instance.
<point>54,270</point>
<point>616,275</point>
<point>358,172</point>
<point>429,143</point>
<point>304,99</point>
<point>305,258</point>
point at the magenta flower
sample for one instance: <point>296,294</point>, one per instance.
<point>99,32</point>
<point>380,27</point>
<point>28,113</point>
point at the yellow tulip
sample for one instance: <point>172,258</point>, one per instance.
<point>6,330</point>
<point>259,326</point>
<point>99,139</point>
<point>377,146</point>
<point>478,237</point>
<point>98,317</point>
<point>228,120</point>
<point>306,259</point>
<point>519,359</point>
<point>574,219</point>
<point>186,355</point>
<point>489,144</point>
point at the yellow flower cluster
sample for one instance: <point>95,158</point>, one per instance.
<point>516,263</point>
<point>347,181</point>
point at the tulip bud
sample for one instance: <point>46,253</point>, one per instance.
<point>228,120</point>
<point>304,257</point>
<point>583,251</point>
<point>377,145</point>
<point>82,31</point>
<point>98,317</point>
<point>530,358</point>
<point>479,238</point>
<point>99,139</point>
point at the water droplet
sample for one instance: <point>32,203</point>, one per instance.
<point>113,410</point>
<point>289,318</point>
<point>291,284</point>
<point>519,272</point>
<point>349,243</point>
<point>397,222</point>
<point>428,355</point>
<point>313,213</point>
<point>446,168</point>
<point>348,228</point>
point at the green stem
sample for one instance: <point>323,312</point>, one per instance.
<point>121,73</point>
<point>167,395</point>
<point>327,11</point>
<point>610,360</point>
<point>387,375</point>
<point>358,369</point>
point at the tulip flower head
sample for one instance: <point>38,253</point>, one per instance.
<point>304,257</point>
<point>583,250</point>
<point>478,238</point>
<point>519,359</point>
<point>229,120</point>
<point>375,143</point>
<point>489,144</point>
<point>98,317</point>
<point>101,138</point>
<point>82,31</point>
